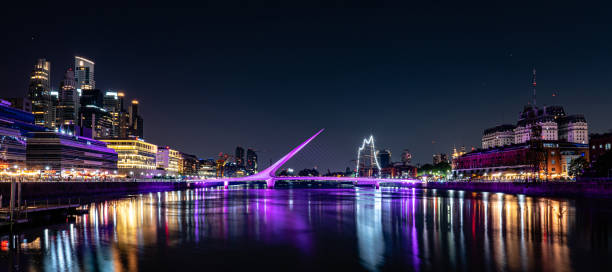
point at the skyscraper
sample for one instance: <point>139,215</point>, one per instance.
<point>136,122</point>
<point>251,161</point>
<point>39,93</point>
<point>239,156</point>
<point>69,100</point>
<point>84,73</point>
<point>111,104</point>
<point>93,115</point>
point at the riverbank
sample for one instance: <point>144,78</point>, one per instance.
<point>85,190</point>
<point>592,189</point>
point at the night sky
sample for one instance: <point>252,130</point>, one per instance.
<point>418,77</point>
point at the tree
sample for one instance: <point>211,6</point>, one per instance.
<point>603,165</point>
<point>577,166</point>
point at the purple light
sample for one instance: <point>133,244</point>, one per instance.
<point>269,174</point>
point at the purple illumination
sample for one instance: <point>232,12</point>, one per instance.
<point>269,174</point>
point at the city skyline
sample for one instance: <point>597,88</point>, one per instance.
<point>416,102</point>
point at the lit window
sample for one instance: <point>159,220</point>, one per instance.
<point>608,146</point>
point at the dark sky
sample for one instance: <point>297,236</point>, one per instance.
<point>418,77</point>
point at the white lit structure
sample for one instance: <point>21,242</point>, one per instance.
<point>498,136</point>
<point>367,161</point>
<point>84,73</point>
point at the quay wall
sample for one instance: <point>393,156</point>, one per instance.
<point>48,190</point>
<point>554,189</point>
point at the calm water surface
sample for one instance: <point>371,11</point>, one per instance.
<point>324,229</point>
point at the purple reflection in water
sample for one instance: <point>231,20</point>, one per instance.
<point>327,229</point>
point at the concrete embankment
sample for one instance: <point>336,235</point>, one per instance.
<point>53,190</point>
<point>554,189</point>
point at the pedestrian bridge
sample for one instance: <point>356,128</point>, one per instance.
<point>269,174</point>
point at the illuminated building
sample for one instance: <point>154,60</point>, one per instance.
<point>15,124</point>
<point>251,161</point>
<point>137,158</point>
<point>168,160</point>
<point>136,122</point>
<point>188,165</point>
<point>574,129</point>
<point>367,163</point>
<point>546,123</point>
<point>208,168</point>
<point>39,93</point>
<point>498,136</point>
<point>112,105</point>
<point>68,154</point>
<point>439,158</point>
<point>93,115</point>
<point>69,100</point>
<point>239,156</point>
<point>538,124</point>
<point>84,73</point>
<point>534,159</point>
<point>457,154</point>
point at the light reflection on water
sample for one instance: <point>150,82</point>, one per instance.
<point>307,229</point>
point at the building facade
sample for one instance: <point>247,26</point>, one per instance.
<point>15,125</point>
<point>84,73</point>
<point>188,165</point>
<point>251,161</point>
<point>39,93</point>
<point>69,100</point>
<point>137,158</point>
<point>498,136</point>
<point>66,155</point>
<point>547,123</point>
<point>534,159</point>
<point>168,160</point>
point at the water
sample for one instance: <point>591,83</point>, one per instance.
<point>321,230</point>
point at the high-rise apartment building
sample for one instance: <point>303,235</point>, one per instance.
<point>251,161</point>
<point>69,100</point>
<point>239,156</point>
<point>112,104</point>
<point>39,93</point>
<point>93,115</point>
<point>84,73</point>
<point>136,122</point>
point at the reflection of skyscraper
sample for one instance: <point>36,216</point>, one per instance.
<point>251,160</point>
<point>239,156</point>
<point>39,93</point>
<point>84,73</point>
<point>367,163</point>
